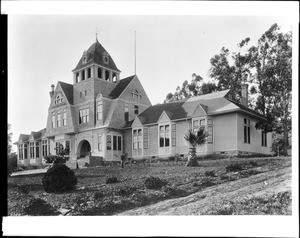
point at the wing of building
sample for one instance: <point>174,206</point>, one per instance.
<point>101,116</point>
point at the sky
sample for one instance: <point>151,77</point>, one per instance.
<point>44,48</point>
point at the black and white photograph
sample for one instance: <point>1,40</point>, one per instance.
<point>152,118</point>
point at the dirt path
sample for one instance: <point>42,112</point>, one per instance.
<point>267,183</point>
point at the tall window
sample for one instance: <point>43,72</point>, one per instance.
<point>137,139</point>
<point>99,111</point>
<point>37,149</point>
<point>67,147</point>
<point>246,130</point>
<point>53,120</point>
<point>58,123</point>
<point>117,143</point>
<point>210,131</point>
<point>108,142</point>
<point>263,138</point>
<point>64,117</point>
<point>44,147</point>
<point>77,77</point>
<point>21,156</point>
<point>164,136</point>
<point>100,143</point>
<point>25,151</point>
<point>82,75</point>
<point>197,124</point>
<point>89,73</point>
<point>99,73</point>
<point>145,138</point>
<point>173,135</point>
<point>126,114</point>
<point>106,75</point>
<point>84,116</point>
<point>31,149</point>
<point>114,78</point>
<point>136,109</point>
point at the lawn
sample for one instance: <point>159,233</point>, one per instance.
<point>94,196</point>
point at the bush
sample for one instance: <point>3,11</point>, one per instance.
<point>154,183</point>
<point>59,178</point>
<point>253,163</point>
<point>126,191</point>
<point>210,173</point>
<point>12,163</point>
<point>112,179</point>
<point>99,195</point>
<point>55,159</point>
<point>39,207</point>
<point>234,167</point>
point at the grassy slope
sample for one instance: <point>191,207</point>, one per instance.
<point>229,191</point>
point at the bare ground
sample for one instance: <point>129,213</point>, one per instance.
<point>263,185</point>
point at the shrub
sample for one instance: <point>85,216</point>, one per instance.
<point>12,163</point>
<point>39,207</point>
<point>234,167</point>
<point>99,195</point>
<point>112,179</point>
<point>210,173</point>
<point>126,191</point>
<point>59,178</point>
<point>56,159</point>
<point>253,163</point>
<point>154,183</point>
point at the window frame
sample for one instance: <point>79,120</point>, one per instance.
<point>247,131</point>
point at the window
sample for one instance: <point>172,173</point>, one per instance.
<point>119,143</point>
<point>44,148</point>
<point>106,75</point>
<point>99,73</point>
<point>58,99</point>
<point>82,75</point>
<point>164,136</point>
<point>25,151</point>
<point>84,60</point>
<point>136,109</point>
<point>108,142</point>
<point>246,130</point>
<point>58,123</point>
<point>99,110</point>
<point>37,149</point>
<point>84,116</point>
<point>89,74</point>
<point>173,135</point>
<point>100,143</point>
<point>21,155</point>
<point>31,149</point>
<point>210,134</point>
<point>114,143</point>
<point>114,78</point>
<point>126,114</point>
<point>136,94</point>
<point>135,139</point>
<point>263,138</point>
<point>209,121</point>
<point>198,123</point>
<point>67,145</point>
<point>64,117</point>
<point>145,138</point>
<point>105,59</point>
<point>85,92</point>
<point>77,77</point>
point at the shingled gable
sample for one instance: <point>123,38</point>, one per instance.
<point>22,138</point>
<point>201,110</point>
<point>37,135</point>
<point>120,87</point>
<point>95,55</point>
<point>68,91</point>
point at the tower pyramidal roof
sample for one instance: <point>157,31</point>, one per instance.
<point>97,54</point>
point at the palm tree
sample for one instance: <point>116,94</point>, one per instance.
<point>195,139</point>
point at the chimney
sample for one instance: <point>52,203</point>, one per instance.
<point>244,99</point>
<point>52,91</point>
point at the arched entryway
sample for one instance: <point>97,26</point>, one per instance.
<point>84,149</point>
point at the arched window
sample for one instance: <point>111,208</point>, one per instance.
<point>99,73</point>
<point>58,99</point>
<point>82,75</point>
<point>77,77</point>
<point>89,73</point>
<point>114,78</point>
<point>107,75</point>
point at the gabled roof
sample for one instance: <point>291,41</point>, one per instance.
<point>22,138</point>
<point>68,90</point>
<point>120,87</point>
<point>213,103</point>
<point>95,55</point>
<point>37,135</point>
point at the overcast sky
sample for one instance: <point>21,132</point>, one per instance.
<point>43,49</point>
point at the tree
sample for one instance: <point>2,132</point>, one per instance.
<point>190,89</point>
<point>231,75</point>
<point>195,139</point>
<point>12,160</point>
<point>272,61</point>
<point>9,136</point>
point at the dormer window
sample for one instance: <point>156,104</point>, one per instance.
<point>105,59</point>
<point>58,99</point>
<point>84,60</point>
